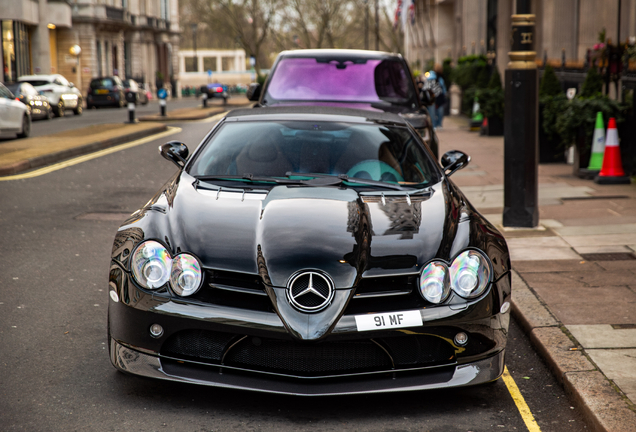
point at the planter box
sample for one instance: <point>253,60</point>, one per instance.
<point>495,126</point>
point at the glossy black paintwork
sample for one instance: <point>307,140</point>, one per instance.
<point>276,231</point>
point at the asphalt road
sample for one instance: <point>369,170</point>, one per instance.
<point>55,375</point>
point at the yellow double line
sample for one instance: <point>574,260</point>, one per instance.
<point>58,166</point>
<point>522,406</point>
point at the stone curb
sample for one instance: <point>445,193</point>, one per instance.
<point>47,159</point>
<point>601,404</point>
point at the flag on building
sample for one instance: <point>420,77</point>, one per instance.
<point>398,14</point>
<point>412,12</point>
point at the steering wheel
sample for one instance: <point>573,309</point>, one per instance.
<point>374,169</point>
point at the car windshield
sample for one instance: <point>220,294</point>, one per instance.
<point>283,149</point>
<point>36,83</point>
<point>357,80</point>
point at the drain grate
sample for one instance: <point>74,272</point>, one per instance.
<point>624,326</point>
<point>615,256</point>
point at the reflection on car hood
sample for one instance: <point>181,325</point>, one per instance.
<point>341,231</point>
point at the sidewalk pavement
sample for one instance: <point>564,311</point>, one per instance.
<point>574,276</point>
<point>21,155</point>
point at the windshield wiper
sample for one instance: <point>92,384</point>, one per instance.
<point>340,178</point>
<point>316,180</point>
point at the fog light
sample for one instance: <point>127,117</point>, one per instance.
<point>461,339</point>
<point>156,331</point>
<point>114,297</point>
<point>505,307</point>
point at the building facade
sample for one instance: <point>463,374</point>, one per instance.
<point>136,39</point>
<point>565,29</point>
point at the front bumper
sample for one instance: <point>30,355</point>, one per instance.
<point>138,363</point>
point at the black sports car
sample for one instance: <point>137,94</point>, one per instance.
<point>310,251</point>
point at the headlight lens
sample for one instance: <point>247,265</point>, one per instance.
<point>470,274</point>
<point>434,284</point>
<point>151,264</point>
<point>186,277</point>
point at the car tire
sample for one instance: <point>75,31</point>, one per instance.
<point>26,127</point>
<point>121,102</point>
<point>59,109</point>
<point>78,110</point>
<point>49,113</point>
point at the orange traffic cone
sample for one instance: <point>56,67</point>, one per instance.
<point>484,127</point>
<point>612,169</point>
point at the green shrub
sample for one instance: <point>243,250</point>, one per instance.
<point>491,102</point>
<point>581,112</point>
<point>447,71</point>
<point>467,70</point>
<point>550,85</point>
<point>495,79</point>
<point>482,79</point>
<point>593,84</point>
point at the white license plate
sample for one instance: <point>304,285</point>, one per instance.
<point>388,320</point>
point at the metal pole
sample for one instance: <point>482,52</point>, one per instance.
<point>521,151</point>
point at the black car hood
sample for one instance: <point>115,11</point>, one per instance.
<point>342,232</point>
<point>336,230</point>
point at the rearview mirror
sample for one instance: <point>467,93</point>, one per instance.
<point>253,92</point>
<point>176,152</point>
<point>454,160</point>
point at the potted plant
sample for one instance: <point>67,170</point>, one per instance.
<point>552,101</point>
<point>492,102</point>
<point>575,123</point>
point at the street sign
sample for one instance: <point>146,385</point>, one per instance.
<point>162,93</point>
<point>209,72</point>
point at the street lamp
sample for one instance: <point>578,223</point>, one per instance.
<point>193,26</point>
<point>76,50</point>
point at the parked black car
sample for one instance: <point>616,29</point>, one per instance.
<point>216,91</point>
<point>310,251</point>
<point>28,95</point>
<point>131,86</point>
<point>371,80</point>
<point>106,91</point>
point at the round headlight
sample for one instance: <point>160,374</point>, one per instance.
<point>151,264</point>
<point>470,274</point>
<point>434,285</point>
<point>185,278</point>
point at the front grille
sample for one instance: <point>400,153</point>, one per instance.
<point>309,359</point>
<point>197,345</point>
<point>233,289</point>
<point>383,286</point>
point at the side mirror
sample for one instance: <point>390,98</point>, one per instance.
<point>176,152</point>
<point>253,92</point>
<point>454,160</point>
<point>71,85</point>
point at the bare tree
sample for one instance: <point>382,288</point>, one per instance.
<point>247,22</point>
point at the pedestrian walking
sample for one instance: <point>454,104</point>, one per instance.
<point>436,83</point>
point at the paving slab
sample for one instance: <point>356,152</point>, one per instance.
<point>609,312</point>
<point>602,405</point>
<point>619,365</point>
<point>604,336</point>
<point>596,230</point>
<point>601,240</point>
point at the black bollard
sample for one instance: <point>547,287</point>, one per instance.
<point>162,104</point>
<point>130,97</point>
<point>204,98</point>
<point>521,153</point>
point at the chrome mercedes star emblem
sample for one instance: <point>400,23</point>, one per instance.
<point>310,291</point>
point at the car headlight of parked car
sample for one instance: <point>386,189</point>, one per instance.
<point>468,275</point>
<point>153,267</point>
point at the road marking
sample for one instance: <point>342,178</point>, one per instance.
<point>522,406</point>
<point>58,166</point>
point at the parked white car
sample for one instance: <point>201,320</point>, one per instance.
<point>62,94</point>
<point>15,117</point>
